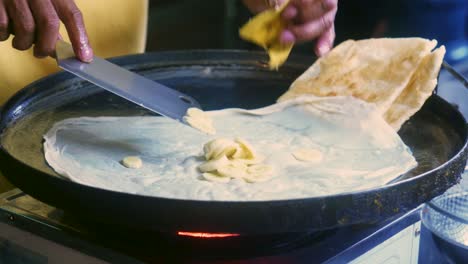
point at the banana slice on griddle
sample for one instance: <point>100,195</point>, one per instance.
<point>214,177</point>
<point>213,165</point>
<point>258,173</point>
<point>244,150</point>
<point>200,120</point>
<point>219,147</point>
<point>132,162</point>
<point>233,170</point>
<point>227,159</point>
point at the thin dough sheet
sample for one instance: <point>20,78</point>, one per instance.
<point>359,151</point>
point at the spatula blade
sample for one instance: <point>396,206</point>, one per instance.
<point>124,83</point>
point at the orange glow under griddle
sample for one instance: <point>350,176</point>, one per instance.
<point>206,235</point>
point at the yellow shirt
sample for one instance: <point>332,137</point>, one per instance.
<point>115,27</point>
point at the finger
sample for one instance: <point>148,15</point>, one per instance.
<point>301,5</point>
<point>47,23</point>
<point>315,9</point>
<point>314,28</point>
<point>287,37</point>
<point>72,18</point>
<point>23,23</point>
<point>290,12</point>
<point>325,41</point>
<point>4,32</point>
<point>301,2</point>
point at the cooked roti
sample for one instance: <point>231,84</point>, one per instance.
<point>396,74</point>
<point>419,88</point>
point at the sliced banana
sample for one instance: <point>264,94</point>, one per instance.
<point>215,178</point>
<point>198,119</point>
<point>259,173</point>
<point>213,165</point>
<point>256,178</point>
<point>132,162</point>
<point>233,171</point>
<point>239,153</point>
<point>247,150</point>
<point>308,155</point>
<point>219,147</point>
<point>258,159</point>
<point>260,169</point>
<point>226,159</point>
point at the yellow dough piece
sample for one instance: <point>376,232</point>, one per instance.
<point>198,119</point>
<point>226,159</point>
<point>308,155</point>
<point>132,162</point>
<point>264,30</point>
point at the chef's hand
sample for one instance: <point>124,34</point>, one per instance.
<point>37,22</point>
<point>311,19</point>
<point>307,20</point>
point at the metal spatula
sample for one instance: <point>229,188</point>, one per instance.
<point>131,86</point>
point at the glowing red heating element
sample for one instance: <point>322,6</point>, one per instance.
<point>206,235</point>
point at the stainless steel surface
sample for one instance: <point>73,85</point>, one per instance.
<point>446,216</point>
<point>450,89</point>
<point>455,74</point>
<point>18,202</point>
<point>131,86</point>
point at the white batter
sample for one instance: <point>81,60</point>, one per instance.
<point>358,150</point>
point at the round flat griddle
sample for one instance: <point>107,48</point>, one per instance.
<point>437,135</point>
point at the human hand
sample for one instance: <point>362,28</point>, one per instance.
<point>37,22</point>
<point>308,20</point>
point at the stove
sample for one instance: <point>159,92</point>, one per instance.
<point>34,232</point>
